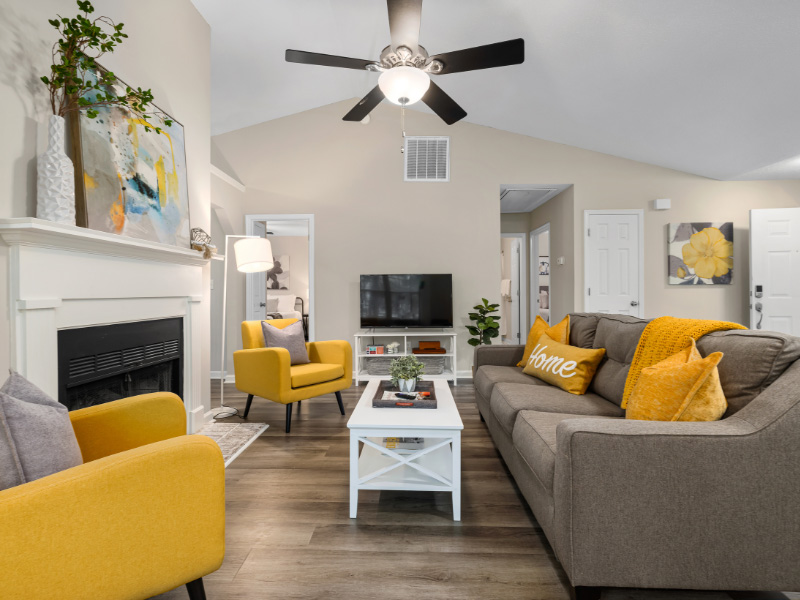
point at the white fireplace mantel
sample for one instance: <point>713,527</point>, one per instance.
<point>37,232</point>
<point>62,276</point>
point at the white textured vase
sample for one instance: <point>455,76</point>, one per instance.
<point>55,181</point>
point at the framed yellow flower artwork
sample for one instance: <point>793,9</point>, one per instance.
<point>700,253</point>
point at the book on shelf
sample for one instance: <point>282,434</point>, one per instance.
<point>403,443</point>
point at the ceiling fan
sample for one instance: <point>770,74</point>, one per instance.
<point>406,67</point>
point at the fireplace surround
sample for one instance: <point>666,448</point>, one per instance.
<point>63,278</point>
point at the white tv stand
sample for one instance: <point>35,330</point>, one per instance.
<point>408,339</point>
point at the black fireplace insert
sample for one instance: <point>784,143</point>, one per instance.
<point>108,362</point>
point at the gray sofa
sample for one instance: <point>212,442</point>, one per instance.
<point>644,504</point>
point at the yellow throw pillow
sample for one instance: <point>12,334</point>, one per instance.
<point>558,332</point>
<point>683,387</point>
<point>568,367</point>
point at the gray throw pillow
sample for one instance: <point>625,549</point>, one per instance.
<point>290,337</point>
<point>37,436</point>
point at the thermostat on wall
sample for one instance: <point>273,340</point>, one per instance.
<point>662,204</point>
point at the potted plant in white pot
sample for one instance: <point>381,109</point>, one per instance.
<point>405,372</point>
<point>77,84</point>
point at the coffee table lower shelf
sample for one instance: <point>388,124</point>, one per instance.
<point>429,468</point>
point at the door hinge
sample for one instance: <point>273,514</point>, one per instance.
<point>590,292</point>
<point>588,232</point>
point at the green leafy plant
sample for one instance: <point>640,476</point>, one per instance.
<point>76,82</point>
<point>406,367</point>
<point>486,326</point>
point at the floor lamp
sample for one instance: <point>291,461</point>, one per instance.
<point>253,255</point>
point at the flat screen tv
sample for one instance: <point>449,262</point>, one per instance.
<point>406,301</point>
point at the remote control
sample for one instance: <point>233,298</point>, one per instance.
<point>406,396</point>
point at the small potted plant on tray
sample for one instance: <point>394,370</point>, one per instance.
<point>405,372</point>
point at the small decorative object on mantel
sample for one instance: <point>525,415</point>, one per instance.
<point>486,323</point>
<point>55,179</point>
<point>108,124</point>
<point>405,372</point>
<point>201,242</point>
<point>700,253</point>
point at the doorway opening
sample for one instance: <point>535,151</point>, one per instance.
<point>541,219</point>
<point>541,290</point>
<point>513,288</point>
<point>287,290</point>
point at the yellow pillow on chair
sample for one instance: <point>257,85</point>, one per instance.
<point>558,332</point>
<point>683,387</point>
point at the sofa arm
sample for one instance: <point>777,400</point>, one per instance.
<point>686,505</point>
<point>503,355</point>
<point>337,352</point>
<point>121,425</point>
<point>132,525</point>
<point>263,372</point>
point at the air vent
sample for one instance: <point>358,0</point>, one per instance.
<point>427,158</point>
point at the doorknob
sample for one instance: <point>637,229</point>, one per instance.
<point>262,303</point>
<point>634,303</point>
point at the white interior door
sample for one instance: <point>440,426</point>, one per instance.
<point>258,281</point>
<point>613,262</point>
<point>775,269</point>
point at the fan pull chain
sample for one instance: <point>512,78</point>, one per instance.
<point>403,128</point>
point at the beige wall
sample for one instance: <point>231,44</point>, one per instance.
<point>168,50</point>
<point>369,220</point>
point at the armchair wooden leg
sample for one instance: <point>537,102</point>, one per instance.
<point>196,590</point>
<point>288,417</point>
<point>339,400</point>
<point>247,406</point>
<point>299,402</point>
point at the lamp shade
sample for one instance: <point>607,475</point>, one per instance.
<point>253,255</point>
<point>404,85</point>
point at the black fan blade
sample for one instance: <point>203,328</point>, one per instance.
<point>326,60</point>
<point>365,106</point>
<point>404,19</point>
<point>501,54</point>
<point>443,105</point>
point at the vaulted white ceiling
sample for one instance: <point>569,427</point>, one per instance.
<point>710,87</point>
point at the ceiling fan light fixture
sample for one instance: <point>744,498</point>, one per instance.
<point>404,85</point>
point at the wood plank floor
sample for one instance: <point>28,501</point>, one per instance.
<point>289,534</point>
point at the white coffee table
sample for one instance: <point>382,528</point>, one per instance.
<point>434,467</point>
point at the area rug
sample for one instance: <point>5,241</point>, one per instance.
<point>233,438</point>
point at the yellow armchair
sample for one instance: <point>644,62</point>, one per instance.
<point>268,372</point>
<point>125,524</point>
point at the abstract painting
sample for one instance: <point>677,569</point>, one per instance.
<point>134,180</point>
<point>278,275</point>
<point>700,253</point>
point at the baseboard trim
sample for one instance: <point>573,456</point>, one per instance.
<point>229,378</point>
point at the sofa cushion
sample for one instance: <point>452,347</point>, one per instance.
<point>619,335</point>
<point>489,375</point>
<point>313,373</point>
<point>559,332</point>
<point>508,399</point>
<point>752,360</point>
<point>582,327</point>
<point>534,438</point>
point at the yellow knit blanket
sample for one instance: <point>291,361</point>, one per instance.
<point>663,337</point>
